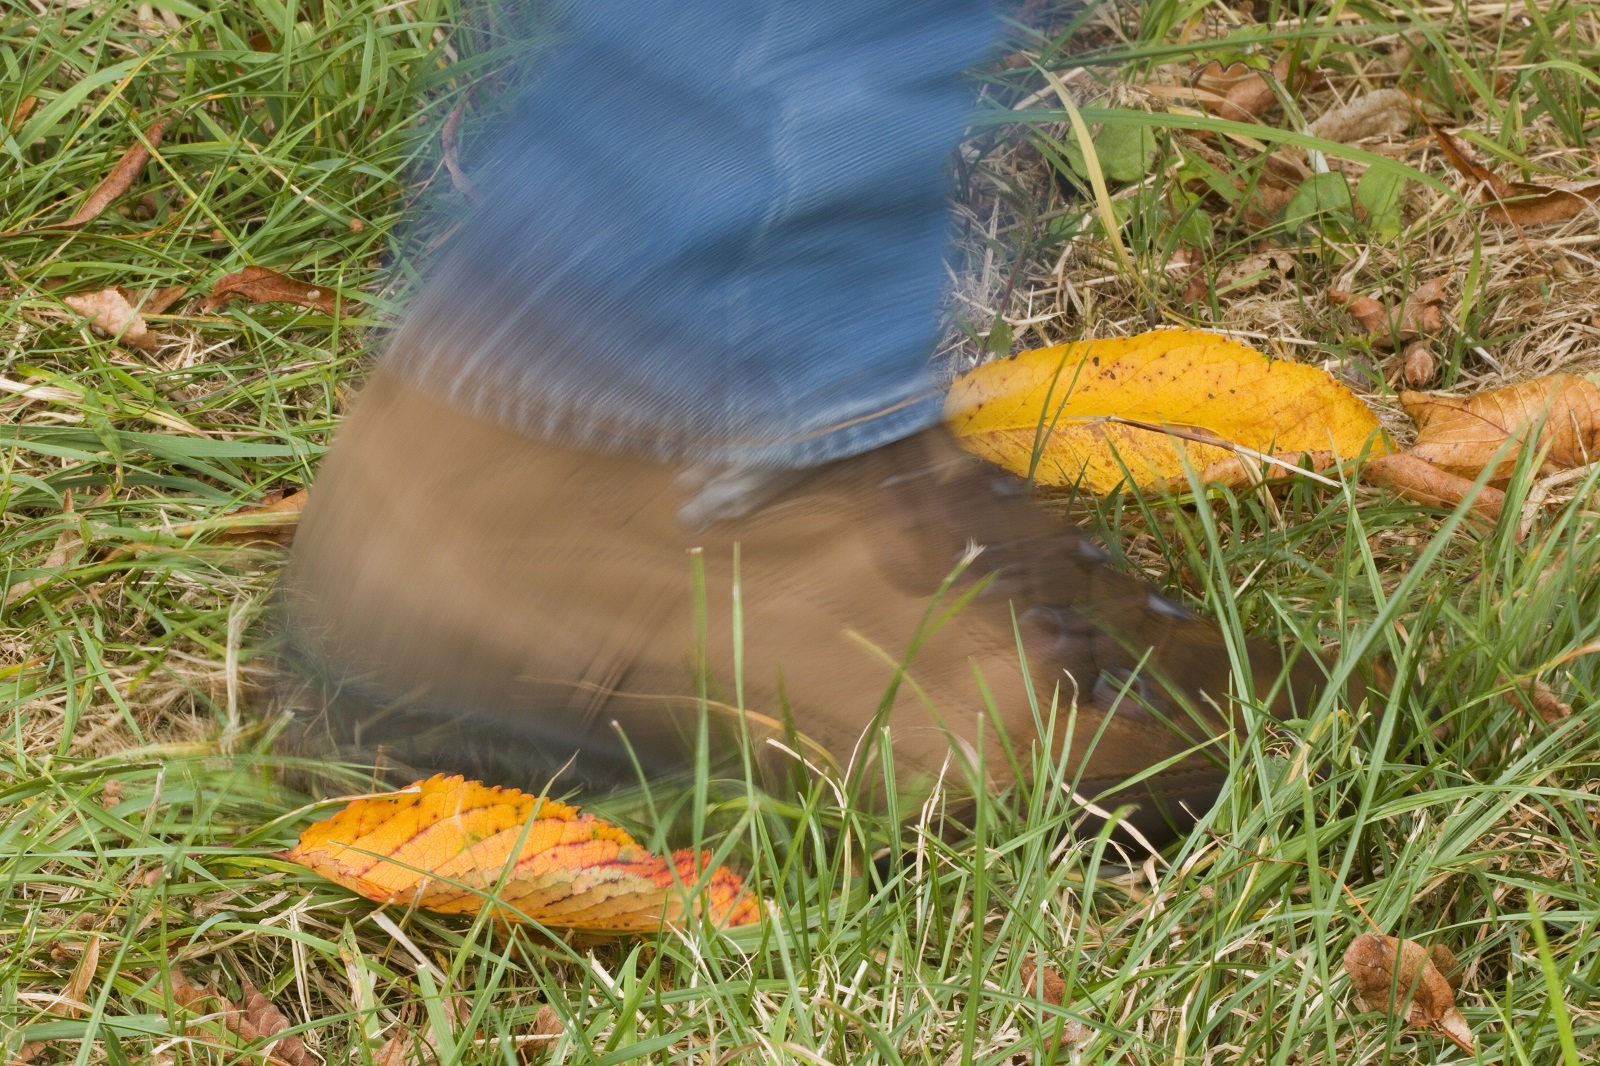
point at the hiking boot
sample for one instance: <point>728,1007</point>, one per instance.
<point>478,601</point>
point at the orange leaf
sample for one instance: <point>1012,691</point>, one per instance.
<point>1419,480</point>
<point>1559,412</point>
<point>260,285</point>
<point>443,844</point>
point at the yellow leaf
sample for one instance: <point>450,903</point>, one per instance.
<point>1072,404</point>
<point>443,845</point>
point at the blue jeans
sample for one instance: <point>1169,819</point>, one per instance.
<point>714,232</point>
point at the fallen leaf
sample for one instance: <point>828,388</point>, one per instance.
<point>274,520</point>
<point>1241,472</point>
<point>396,1051</point>
<point>452,163</point>
<point>24,109</point>
<point>109,312</point>
<point>443,845</point>
<point>547,1023</point>
<point>1419,316</point>
<point>153,301</point>
<point>1267,264</point>
<point>269,1021</point>
<point>66,541</point>
<point>122,176</point>
<point>1540,699</point>
<point>1519,202</point>
<point>1152,402</point>
<point>1053,990</point>
<point>1369,314</point>
<point>260,285</point>
<point>245,1023</point>
<point>1418,367</point>
<point>1558,414</point>
<point>1384,967</point>
<point>1246,92</point>
<point>70,1002</point>
<point>1419,480</point>
<point>1383,112</point>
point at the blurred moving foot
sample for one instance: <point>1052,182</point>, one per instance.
<point>477,601</point>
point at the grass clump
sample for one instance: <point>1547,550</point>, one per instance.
<point>141,804</point>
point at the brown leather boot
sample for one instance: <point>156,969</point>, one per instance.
<point>484,602</point>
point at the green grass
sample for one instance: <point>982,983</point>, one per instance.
<point>140,804</point>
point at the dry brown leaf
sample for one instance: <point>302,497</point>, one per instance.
<point>1393,975</point>
<point>1246,92</point>
<point>25,108</point>
<point>1369,314</point>
<point>72,1001</point>
<point>1519,202</point>
<point>1152,403</point>
<point>1419,480</point>
<point>260,285</point>
<point>1264,265</point>
<point>1558,414</point>
<point>1419,316</point>
<point>1053,990</point>
<point>274,520</point>
<point>396,1051</point>
<point>1418,366</point>
<point>452,162</point>
<point>269,1021</point>
<point>122,176</point>
<point>1539,698</point>
<point>153,301</point>
<point>547,1023</point>
<point>1241,472</point>
<point>109,312</point>
<point>247,1024</point>
<point>66,541</point>
<point>1383,112</point>
<point>443,844</point>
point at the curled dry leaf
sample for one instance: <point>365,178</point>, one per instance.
<point>1540,699</point>
<point>1049,986</point>
<point>1394,975</point>
<point>1380,113</point>
<point>1246,94</point>
<point>448,143</point>
<point>1419,480</point>
<point>275,520</point>
<point>67,543</point>
<point>1519,202</point>
<point>153,301</point>
<point>1154,402</point>
<point>109,312</point>
<point>1418,366</point>
<point>122,176</point>
<point>547,1023</point>
<point>1419,316</point>
<point>257,1023</point>
<point>443,844</point>
<point>1558,414</point>
<point>260,285</point>
<point>25,108</point>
